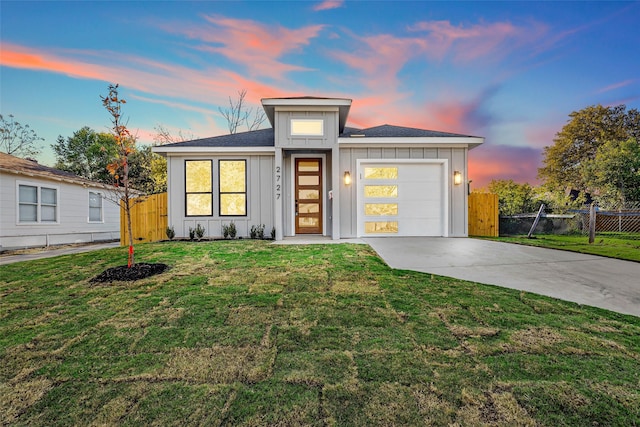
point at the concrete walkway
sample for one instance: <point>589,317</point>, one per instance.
<point>585,279</point>
<point>52,251</point>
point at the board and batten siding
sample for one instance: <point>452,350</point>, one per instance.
<point>260,196</point>
<point>285,140</point>
<point>73,224</point>
<point>456,159</point>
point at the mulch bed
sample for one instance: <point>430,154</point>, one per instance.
<point>136,272</point>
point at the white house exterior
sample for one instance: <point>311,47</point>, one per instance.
<point>42,206</point>
<point>310,174</point>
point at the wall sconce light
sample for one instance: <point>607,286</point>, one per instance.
<point>347,178</point>
<point>457,177</point>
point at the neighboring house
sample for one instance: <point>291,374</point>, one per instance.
<point>309,174</point>
<point>42,206</point>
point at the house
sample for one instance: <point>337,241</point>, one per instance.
<point>310,174</point>
<point>43,206</point>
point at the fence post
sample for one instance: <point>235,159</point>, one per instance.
<point>535,221</point>
<point>592,223</point>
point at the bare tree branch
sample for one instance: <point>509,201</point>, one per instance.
<point>238,114</point>
<point>16,139</point>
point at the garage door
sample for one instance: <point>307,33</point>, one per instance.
<point>402,199</point>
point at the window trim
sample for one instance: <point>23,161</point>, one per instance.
<point>39,186</point>
<point>101,220</point>
<point>186,193</point>
<point>220,193</point>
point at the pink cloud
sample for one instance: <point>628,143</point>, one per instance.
<point>254,45</point>
<point>617,85</point>
<point>328,4</point>
<point>488,162</point>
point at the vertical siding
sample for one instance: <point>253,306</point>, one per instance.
<point>456,160</point>
<point>260,196</point>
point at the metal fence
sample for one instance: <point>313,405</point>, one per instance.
<point>622,220</point>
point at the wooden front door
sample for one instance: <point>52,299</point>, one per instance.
<point>308,196</point>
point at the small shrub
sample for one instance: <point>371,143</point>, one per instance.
<point>273,233</point>
<point>171,233</point>
<point>257,232</point>
<point>199,232</point>
<point>229,231</point>
<point>192,233</point>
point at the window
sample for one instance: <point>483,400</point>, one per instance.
<point>95,207</point>
<point>233,187</point>
<point>37,204</point>
<point>381,173</point>
<point>306,127</point>
<point>198,188</point>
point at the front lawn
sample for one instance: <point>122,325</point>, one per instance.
<point>249,333</point>
<point>620,246</point>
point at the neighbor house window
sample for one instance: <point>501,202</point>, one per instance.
<point>37,204</point>
<point>95,207</point>
<point>198,188</point>
<point>233,187</point>
<point>307,127</point>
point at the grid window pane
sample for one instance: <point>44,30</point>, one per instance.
<point>199,204</point>
<point>48,213</point>
<point>198,176</point>
<point>380,191</point>
<point>49,196</point>
<point>376,227</point>
<point>28,213</point>
<point>381,173</point>
<point>233,204</point>
<point>380,209</point>
<point>232,176</point>
<point>28,194</point>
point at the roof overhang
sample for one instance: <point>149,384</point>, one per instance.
<point>282,104</point>
<point>166,151</point>
<point>469,142</point>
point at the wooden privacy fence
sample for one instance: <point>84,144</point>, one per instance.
<point>483,215</point>
<point>148,219</point>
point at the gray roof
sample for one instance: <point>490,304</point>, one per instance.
<point>32,168</point>
<point>390,131</point>
<point>266,137</point>
<point>256,138</point>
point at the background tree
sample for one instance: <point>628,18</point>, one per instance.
<point>158,164</point>
<point>514,198</point>
<point>578,142</point>
<point>125,147</point>
<point>238,114</point>
<point>16,139</point>
<point>86,154</point>
<point>613,175</point>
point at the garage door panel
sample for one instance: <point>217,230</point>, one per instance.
<point>419,199</point>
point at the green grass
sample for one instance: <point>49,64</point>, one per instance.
<point>248,333</point>
<point>625,247</point>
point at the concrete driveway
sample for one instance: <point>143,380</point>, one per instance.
<point>585,279</point>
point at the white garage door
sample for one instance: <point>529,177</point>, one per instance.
<point>402,199</point>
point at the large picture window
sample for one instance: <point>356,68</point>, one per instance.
<point>37,204</point>
<point>95,207</point>
<point>233,187</point>
<point>198,188</point>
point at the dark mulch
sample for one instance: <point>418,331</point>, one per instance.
<point>124,273</point>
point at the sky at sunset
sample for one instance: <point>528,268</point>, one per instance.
<point>511,72</point>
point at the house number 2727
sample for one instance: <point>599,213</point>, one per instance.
<point>278,185</point>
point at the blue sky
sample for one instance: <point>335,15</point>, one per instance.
<point>509,71</point>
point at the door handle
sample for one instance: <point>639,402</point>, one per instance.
<point>296,207</point>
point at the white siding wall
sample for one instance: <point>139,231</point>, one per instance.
<point>73,224</point>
